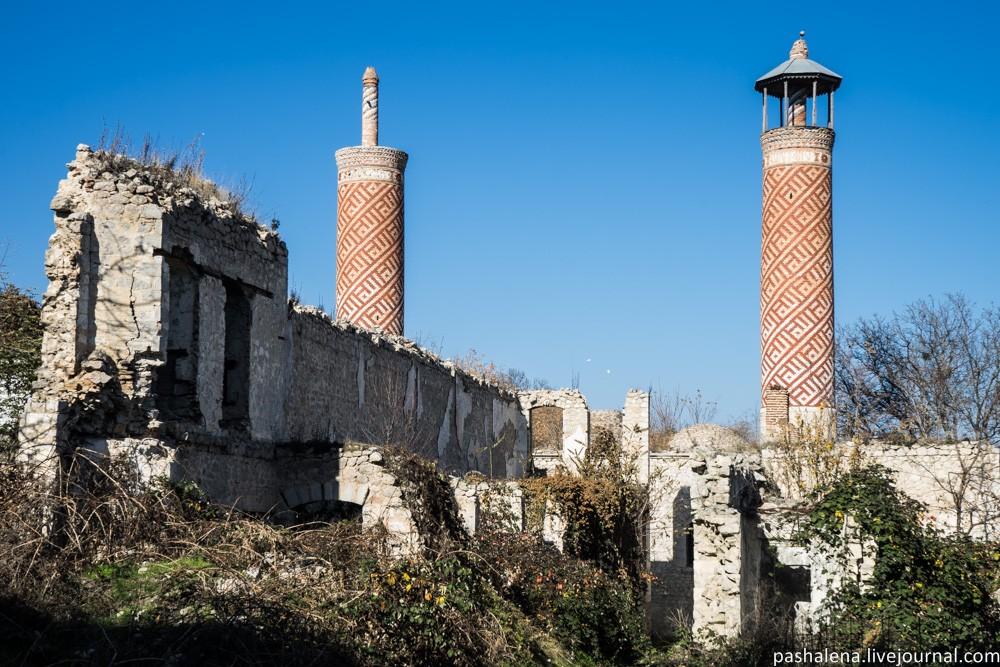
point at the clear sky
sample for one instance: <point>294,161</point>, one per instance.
<point>583,192</point>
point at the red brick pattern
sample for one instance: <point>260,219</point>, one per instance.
<point>370,254</point>
<point>797,284</point>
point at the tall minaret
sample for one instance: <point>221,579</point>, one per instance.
<point>370,224</point>
<point>796,270</point>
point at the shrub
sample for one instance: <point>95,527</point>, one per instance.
<point>926,591</point>
<point>592,612</point>
<point>603,507</point>
<point>163,573</point>
<point>20,355</point>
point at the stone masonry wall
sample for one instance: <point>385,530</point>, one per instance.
<point>942,476</point>
<point>635,432</point>
<point>946,476</point>
<point>728,543</point>
<point>671,557</point>
<point>168,309</point>
<point>575,425</point>
<point>349,384</point>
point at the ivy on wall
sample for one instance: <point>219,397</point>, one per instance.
<point>926,590</point>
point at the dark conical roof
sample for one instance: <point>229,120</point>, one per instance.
<point>799,69</point>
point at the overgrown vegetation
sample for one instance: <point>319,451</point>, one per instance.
<point>163,574</point>
<point>588,599</point>
<point>925,591</point>
<point>805,458</point>
<point>602,506</point>
<point>20,355</point>
<point>898,583</point>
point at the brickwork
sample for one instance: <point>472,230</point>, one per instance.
<point>797,325</point>
<point>575,433</point>
<point>774,420</point>
<point>370,225</point>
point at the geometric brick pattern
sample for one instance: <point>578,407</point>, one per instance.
<point>370,254</point>
<point>796,309</point>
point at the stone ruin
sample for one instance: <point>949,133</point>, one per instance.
<point>170,340</point>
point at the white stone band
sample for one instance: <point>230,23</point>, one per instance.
<point>797,145</point>
<point>369,174</point>
<point>787,156</point>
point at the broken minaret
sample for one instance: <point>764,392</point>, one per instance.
<point>796,290</point>
<point>370,224</point>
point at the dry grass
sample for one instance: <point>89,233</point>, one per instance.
<point>103,572</point>
<point>87,568</point>
<point>183,168</point>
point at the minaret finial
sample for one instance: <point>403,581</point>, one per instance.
<point>799,47</point>
<point>369,108</point>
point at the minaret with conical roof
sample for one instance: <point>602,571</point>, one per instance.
<point>796,290</point>
<point>370,224</point>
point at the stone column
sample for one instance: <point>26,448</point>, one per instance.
<point>370,225</point>
<point>635,432</point>
<point>796,298</point>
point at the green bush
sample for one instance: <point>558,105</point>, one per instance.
<point>20,355</point>
<point>595,614</point>
<point>928,591</point>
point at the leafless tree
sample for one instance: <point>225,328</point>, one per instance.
<point>969,480</point>
<point>669,412</point>
<point>389,416</point>
<point>513,379</point>
<point>931,373</point>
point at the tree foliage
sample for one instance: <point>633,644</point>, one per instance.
<point>20,354</point>
<point>925,590</point>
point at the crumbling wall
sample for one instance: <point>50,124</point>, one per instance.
<point>167,318</point>
<point>635,432</point>
<point>671,541</point>
<point>479,500</point>
<point>676,476</point>
<point>350,384</point>
<point>949,478</point>
<point>728,543</point>
<point>575,425</point>
<point>607,423</point>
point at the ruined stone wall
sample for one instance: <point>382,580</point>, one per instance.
<point>349,384</point>
<point>607,422</point>
<point>168,309</point>
<point>728,543</point>
<point>942,476</point>
<point>479,500</point>
<point>575,425</point>
<point>635,432</point>
<point>671,542</point>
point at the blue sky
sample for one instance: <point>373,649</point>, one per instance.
<point>583,193</point>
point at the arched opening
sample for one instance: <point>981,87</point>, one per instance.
<point>546,424</point>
